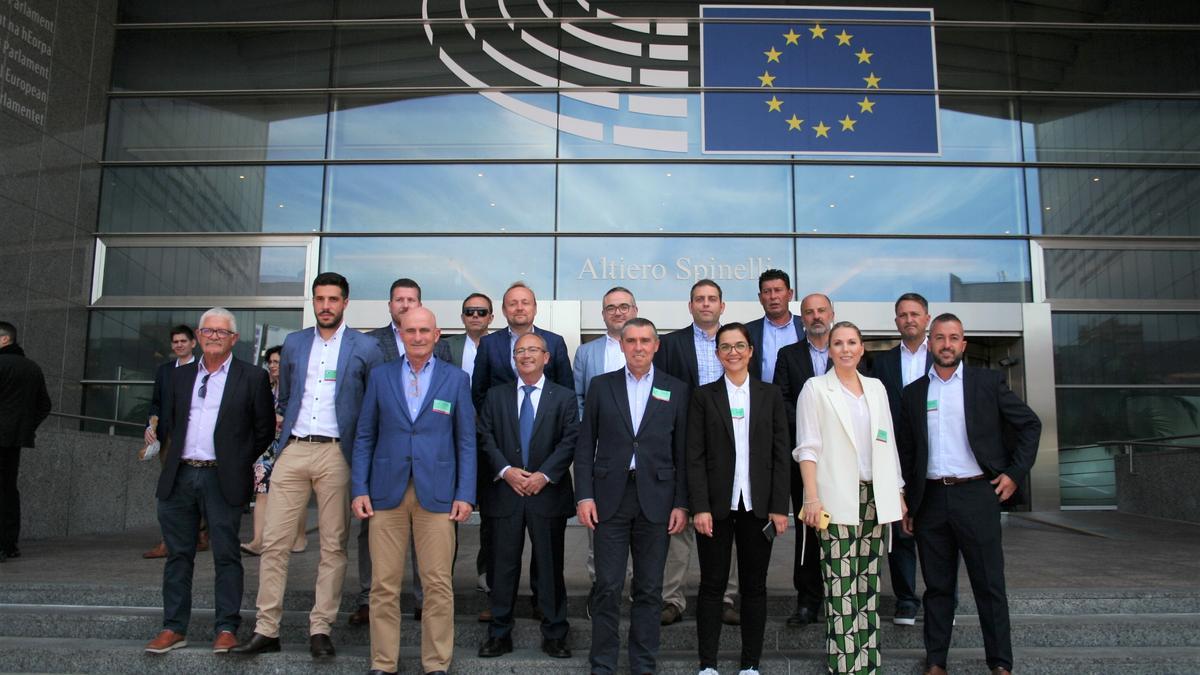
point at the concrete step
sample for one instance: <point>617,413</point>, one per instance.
<point>126,656</point>
<point>1046,630</point>
<point>470,602</point>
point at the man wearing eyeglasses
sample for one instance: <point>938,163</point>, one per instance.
<point>220,419</point>
<point>322,379</point>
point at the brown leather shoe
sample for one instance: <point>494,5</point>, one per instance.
<point>485,616</point>
<point>1000,670</point>
<point>730,616</point>
<point>165,642</point>
<point>159,551</point>
<point>225,641</point>
<point>202,541</point>
<point>935,670</point>
<point>361,616</point>
<point>670,615</point>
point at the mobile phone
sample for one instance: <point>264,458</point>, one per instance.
<point>823,524</point>
<point>769,530</point>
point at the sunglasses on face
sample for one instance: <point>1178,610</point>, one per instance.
<point>476,311</point>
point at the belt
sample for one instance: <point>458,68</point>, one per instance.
<point>201,463</point>
<point>314,439</point>
<point>952,480</point>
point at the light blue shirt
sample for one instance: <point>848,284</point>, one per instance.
<point>945,418</point>
<point>202,417</point>
<point>820,359</point>
<point>415,395</point>
<point>638,392</point>
<point>774,339</point>
<point>708,366</point>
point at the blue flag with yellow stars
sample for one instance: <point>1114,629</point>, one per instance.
<point>815,48</point>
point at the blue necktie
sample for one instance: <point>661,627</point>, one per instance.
<point>525,423</point>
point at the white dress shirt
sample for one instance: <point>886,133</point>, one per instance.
<point>860,424</point>
<point>469,351</point>
<point>202,418</point>
<point>638,392</point>
<point>912,364</point>
<point>318,411</point>
<point>739,411</point>
<point>949,449</point>
<point>614,358</point>
<point>535,397</point>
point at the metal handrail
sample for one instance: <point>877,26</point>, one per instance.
<point>1127,446</point>
<point>112,423</point>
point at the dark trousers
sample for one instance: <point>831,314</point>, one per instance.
<point>806,573</point>
<point>963,519</point>
<point>628,531</point>
<point>754,557</point>
<point>902,564</point>
<point>485,559</point>
<point>546,535</point>
<point>197,493</point>
<point>10,499</point>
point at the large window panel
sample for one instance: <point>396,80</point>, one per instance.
<point>1160,61</point>
<point>154,11</point>
<point>216,128</point>
<point>129,344</point>
<point>211,199</point>
<point>909,200</point>
<point>221,59</point>
<point>674,198</point>
<point>664,268</point>
<point>1107,130</point>
<point>1122,274</point>
<point>449,126</point>
<point>441,198</point>
<point>1088,415</point>
<point>1126,348</point>
<point>942,270</point>
<point>204,271</point>
<point>448,268</point>
<point>1115,202</point>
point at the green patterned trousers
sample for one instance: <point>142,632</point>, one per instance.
<point>850,563</point>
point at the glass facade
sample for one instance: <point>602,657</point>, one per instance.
<point>475,143</point>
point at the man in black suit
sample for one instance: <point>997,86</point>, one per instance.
<point>183,346</point>
<point>966,442</point>
<point>794,364</point>
<point>221,418</point>
<point>24,405</point>
<point>690,355</point>
<point>631,486</point>
<point>527,430</point>
<point>777,328</point>
<point>897,368</point>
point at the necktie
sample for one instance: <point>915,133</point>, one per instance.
<point>204,385</point>
<point>525,423</point>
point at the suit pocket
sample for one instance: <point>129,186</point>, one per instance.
<point>666,474</point>
<point>445,480</point>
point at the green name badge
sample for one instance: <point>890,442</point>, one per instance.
<point>440,406</point>
<point>660,394</point>
<point>930,406</point>
<point>331,375</point>
<point>881,435</point>
<point>738,413</point>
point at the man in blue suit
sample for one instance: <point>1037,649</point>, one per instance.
<point>414,475</point>
<point>604,355</point>
<point>322,378</point>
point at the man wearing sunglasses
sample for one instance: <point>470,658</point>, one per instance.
<point>476,318</point>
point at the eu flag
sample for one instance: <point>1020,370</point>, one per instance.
<point>809,47</point>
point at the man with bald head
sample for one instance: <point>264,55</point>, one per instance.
<point>413,474</point>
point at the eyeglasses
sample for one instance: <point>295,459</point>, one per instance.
<point>476,311</point>
<point>532,351</point>
<point>215,332</point>
<point>739,347</point>
<point>622,308</point>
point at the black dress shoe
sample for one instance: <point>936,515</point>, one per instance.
<point>436,672</point>
<point>258,644</point>
<point>802,617</point>
<point>495,647</point>
<point>556,649</point>
<point>320,646</point>
<point>374,671</point>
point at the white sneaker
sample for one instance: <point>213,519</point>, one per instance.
<point>749,671</point>
<point>709,671</point>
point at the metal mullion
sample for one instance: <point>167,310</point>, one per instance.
<point>719,160</point>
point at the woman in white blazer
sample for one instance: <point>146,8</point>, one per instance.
<point>846,447</point>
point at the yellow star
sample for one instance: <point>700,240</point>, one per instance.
<point>773,55</point>
<point>792,37</point>
<point>817,31</point>
<point>794,123</point>
<point>774,105</point>
<point>866,105</point>
<point>847,123</point>
<point>864,56</point>
<point>872,81</point>
<point>843,38</point>
<point>767,79</point>
<point>821,129</point>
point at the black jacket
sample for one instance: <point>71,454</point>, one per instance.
<point>245,427</point>
<point>886,369</point>
<point>24,402</point>
<point>676,356</point>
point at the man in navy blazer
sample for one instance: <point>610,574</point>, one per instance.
<point>529,446</point>
<point>782,327</point>
<point>414,474</point>
<point>322,378</point>
<point>897,368</point>
<point>631,489</point>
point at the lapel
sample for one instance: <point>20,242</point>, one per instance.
<point>838,402</point>
<point>653,404</point>
<point>231,381</point>
<point>300,366</point>
<point>181,404</point>
<point>440,373</point>
<point>723,405</point>
<point>548,399</point>
<point>395,377</point>
<point>621,395</point>
<point>968,387</point>
<point>344,353</point>
<point>689,354</point>
<point>922,430</point>
<point>512,412</point>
